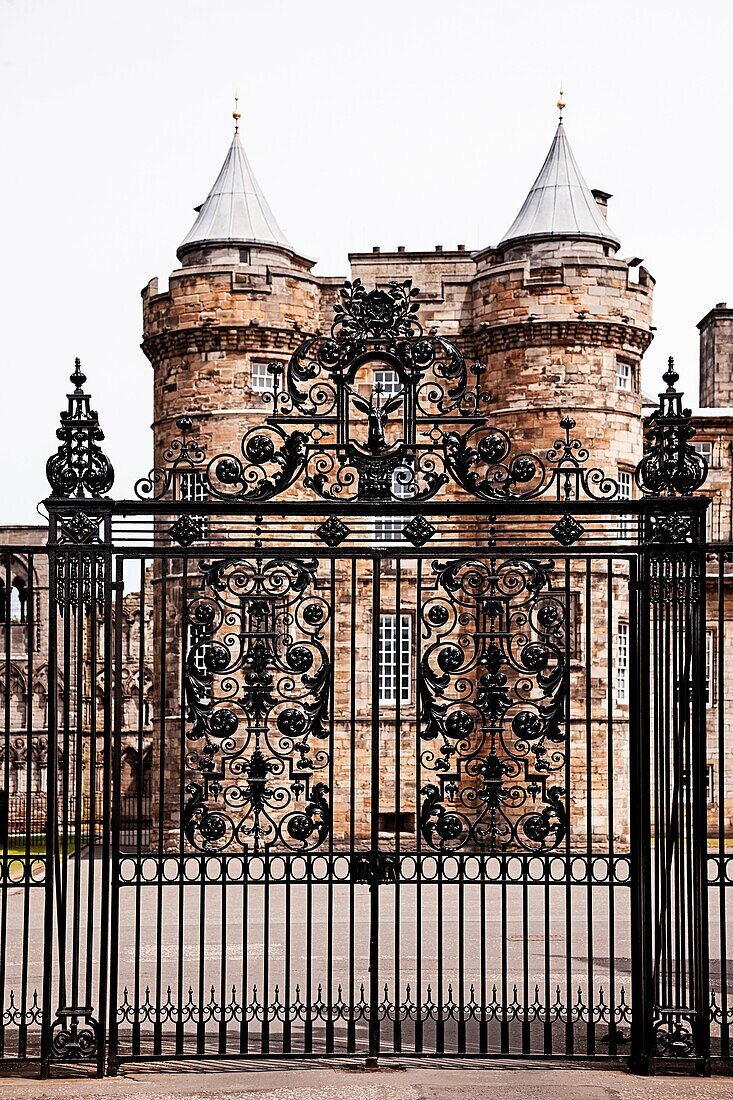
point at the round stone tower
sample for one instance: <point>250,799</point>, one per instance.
<point>242,299</point>
<point>562,323</point>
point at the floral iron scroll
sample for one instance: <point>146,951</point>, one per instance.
<point>492,686</point>
<point>338,432</point>
<point>258,683</point>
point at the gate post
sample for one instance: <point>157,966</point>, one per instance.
<point>79,785</point>
<point>671,1011</point>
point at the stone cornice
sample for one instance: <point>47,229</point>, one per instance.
<point>540,333</point>
<point>233,339</point>
<point>202,339</point>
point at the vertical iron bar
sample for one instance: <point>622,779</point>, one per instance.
<point>332,795</point>
<point>116,750</point>
<point>397,1028</point>
<point>51,800</point>
<point>161,704</point>
<point>640,778</point>
<point>418,831</point>
<point>183,596</point>
<point>591,993</point>
<point>698,812</point>
<point>374,824</point>
<point>351,1023</point>
<point>569,1027</point>
<point>611,768</point>
<point>717,683</point>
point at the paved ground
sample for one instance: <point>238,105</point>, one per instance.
<point>318,1083</point>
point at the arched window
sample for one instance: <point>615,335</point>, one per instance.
<point>18,600</point>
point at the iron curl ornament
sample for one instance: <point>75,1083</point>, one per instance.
<point>79,468</point>
<point>492,684</point>
<point>379,409</point>
<point>671,466</point>
<point>258,682</point>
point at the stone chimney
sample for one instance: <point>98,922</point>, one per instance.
<point>716,358</point>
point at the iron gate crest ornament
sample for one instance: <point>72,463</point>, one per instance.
<point>378,410</point>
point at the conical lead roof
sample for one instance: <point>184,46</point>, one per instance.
<point>560,203</point>
<point>235,211</point>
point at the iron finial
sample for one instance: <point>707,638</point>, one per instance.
<point>236,115</point>
<point>670,376</point>
<point>78,377</point>
<point>561,101</point>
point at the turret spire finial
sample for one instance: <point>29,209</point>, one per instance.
<point>236,113</point>
<point>561,101</point>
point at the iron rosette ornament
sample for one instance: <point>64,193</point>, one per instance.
<point>258,682</point>
<point>671,466</point>
<point>492,691</point>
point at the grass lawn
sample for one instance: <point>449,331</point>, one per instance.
<point>33,845</point>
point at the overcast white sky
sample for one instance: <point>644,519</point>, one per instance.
<point>385,122</point>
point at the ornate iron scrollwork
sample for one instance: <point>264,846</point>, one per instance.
<point>378,410</point>
<point>80,572</point>
<point>75,1035</point>
<point>671,467</point>
<point>492,686</point>
<point>258,682</point>
<point>674,1035</point>
<point>79,468</point>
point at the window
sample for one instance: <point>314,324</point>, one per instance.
<point>403,822</point>
<point>394,663</point>
<point>624,374</point>
<point>622,663</point>
<point>244,255</point>
<point>389,528</point>
<point>624,493</point>
<point>192,486</point>
<point>710,668</point>
<point>624,485</point>
<point>261,380</point>
<point>200,648</point>
<point>18,601</point>
<point>704,447</point>
<point>389,381</point>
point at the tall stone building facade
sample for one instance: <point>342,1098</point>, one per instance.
<point>557,319</point>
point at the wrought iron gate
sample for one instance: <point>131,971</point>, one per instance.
<point>406,753</point>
